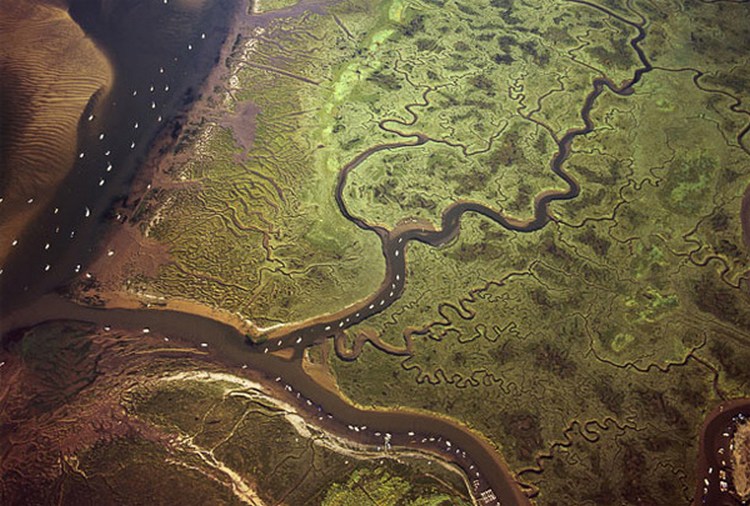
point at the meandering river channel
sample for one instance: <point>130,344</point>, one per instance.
<point>488,476</point>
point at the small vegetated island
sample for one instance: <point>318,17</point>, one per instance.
<point>405,252</point>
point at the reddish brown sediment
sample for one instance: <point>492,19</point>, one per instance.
<point>745,217</point>
<point>741,461</point>
<point>242,124</point>
<point>51,415</point>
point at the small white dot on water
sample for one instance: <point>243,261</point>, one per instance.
<point>14,243</point>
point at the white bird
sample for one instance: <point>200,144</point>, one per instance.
<point>15,242</point>
<point>56,210</point>
<point>46,267</point>
<point>30,200</point>
<point>106,153</point>
<point>109,167</point>
<point>81,155</point>
<point>153,105</point>
<point>101,137</point>
<point>203,36</point>
<point>166,87</point>
<point>132,145</point>
<point>101,182</point>
<point>135,125</point>
<point>161,70</point>
<point>88,212</point>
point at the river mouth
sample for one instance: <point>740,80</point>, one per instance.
<point>161,53</point>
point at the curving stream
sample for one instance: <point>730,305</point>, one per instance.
<point>487,473</point>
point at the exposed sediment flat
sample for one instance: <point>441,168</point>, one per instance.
<point>45,90</point>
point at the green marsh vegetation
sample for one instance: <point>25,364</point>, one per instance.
<point>592,347</point>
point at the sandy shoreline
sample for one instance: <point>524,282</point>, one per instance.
<point>125,249</point>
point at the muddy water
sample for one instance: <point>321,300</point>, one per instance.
<point>161,53</point>
<point>486,472</point>
<point>715,454</point>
